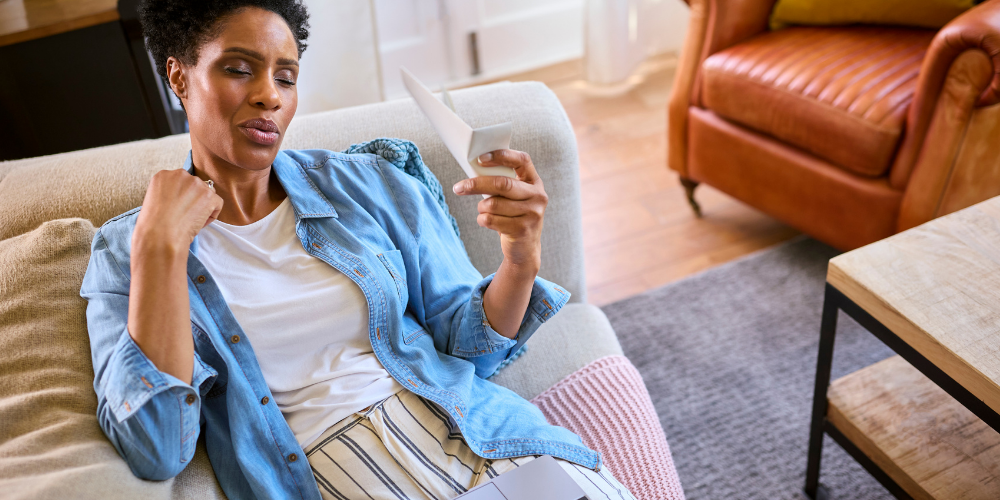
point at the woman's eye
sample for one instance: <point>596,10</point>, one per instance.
<point>285,77</point>
<point>236,71</point>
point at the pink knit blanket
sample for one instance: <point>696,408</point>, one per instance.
<point>607,404</point>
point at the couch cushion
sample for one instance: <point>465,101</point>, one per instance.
<point>51,445</point>
<point>839,93</point>
<point>796,188</point>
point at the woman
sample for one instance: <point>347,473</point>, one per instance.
<point>371,330</point>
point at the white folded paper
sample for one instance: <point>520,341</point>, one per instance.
<point>464,142</point>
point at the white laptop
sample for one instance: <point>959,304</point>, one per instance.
<point>541,478</point>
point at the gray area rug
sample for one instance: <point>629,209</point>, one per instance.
<point>729,357</point>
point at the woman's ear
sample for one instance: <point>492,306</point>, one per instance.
<point>176,77</point>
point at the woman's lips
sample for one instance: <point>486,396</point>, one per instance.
<point>261,131</point>
<point>260,136</point>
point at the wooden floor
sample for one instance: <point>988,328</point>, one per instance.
<point>639,231</point>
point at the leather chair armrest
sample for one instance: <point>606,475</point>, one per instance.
<point>978,29</point>
<point>714,25</point>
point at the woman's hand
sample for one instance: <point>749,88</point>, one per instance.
<point>176,207</point>
<point>516,208</point>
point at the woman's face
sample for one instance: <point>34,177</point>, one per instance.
<point>240,96</point>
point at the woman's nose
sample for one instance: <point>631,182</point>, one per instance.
<point>266,95</point>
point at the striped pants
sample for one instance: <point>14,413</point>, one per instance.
<point>408,448</point>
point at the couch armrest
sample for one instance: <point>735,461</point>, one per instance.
<point>978,29</point>
<point>714,25</point>
<point>576,336</point>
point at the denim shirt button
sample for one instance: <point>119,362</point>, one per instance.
<point>235,339</point>
<point>201,279</point>
<point>293,457</point>
<point>190,399</point>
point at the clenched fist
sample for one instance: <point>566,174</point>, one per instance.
<point>177,206</point>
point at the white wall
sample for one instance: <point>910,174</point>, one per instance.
<point>415,34</point>
<point>432,38</point>
<point>522,35</point>
<point>663,25</point>
<point>340,67</point>
<point>356,46</point>
<point>620,34</point>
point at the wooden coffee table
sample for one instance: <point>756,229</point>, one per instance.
<point>924,423</point>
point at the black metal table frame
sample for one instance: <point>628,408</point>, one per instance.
<point>834,301</point>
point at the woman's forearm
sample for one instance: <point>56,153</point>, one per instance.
<point>159,309</point>
<point>507,297</point>
<point>176,207</point>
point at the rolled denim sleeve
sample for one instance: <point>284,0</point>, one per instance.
<point>486,348</point>
<point>152,418</point>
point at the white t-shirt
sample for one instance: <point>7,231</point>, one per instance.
<point>307,322</point>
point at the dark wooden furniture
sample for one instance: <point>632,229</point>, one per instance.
<point>75,74</point>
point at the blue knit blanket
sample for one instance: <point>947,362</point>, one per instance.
<point>405,156</point>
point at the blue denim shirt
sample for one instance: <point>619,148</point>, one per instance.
<point>385,231</point>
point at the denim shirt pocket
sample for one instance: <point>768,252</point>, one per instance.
<point>393,262</point>
<point>412,329</point>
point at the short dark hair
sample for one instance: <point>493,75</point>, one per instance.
<point>178,27</point>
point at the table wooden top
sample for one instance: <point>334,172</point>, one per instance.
<point>937,286</point>
<point>23,20</point>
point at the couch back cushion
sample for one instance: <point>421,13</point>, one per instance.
<point>913,13</point>
<point>51,445</point>
<point>94,184</point>
<point>97,184</point>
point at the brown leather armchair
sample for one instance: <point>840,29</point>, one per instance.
<point>848,134</point>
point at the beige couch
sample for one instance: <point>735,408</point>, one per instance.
<point>50,442</point>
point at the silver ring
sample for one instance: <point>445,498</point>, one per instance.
<point>210,184</point>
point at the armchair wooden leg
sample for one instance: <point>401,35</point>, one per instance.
<point>689,186</point>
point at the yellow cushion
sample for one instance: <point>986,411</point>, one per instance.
<point>915,13</point>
